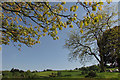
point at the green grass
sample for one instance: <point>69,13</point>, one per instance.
<point>70,75</point>
<point>45,74</point>
<point>64,79</point>
<point>77,74</point>
<point>109,75</point>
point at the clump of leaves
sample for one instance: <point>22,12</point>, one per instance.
<point>91,74</point>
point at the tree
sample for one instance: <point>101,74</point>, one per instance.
<point>17,19</point>
<point>14,70</point>
<point>111,46</point>
<point>88,45</point>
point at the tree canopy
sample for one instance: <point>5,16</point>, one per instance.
<point>17,19</point>
<point>111,46</point>
<point>88,45</point>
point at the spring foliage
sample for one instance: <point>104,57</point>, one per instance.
<point>18,19</point>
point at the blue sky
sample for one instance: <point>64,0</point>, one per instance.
<point>49,54</point>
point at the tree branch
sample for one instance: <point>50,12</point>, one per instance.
<point>89,50</point>
<point>56,13</point>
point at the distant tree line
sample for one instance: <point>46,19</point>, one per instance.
<point>16,73</point>
<point>89,68</point>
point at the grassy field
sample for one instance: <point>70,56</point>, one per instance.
<point>65,79</point>
<point>109,75</point>
<point>45,74</point>
<point>61,75</point>
<point>77,74</point>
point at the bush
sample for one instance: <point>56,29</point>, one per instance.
<point>83,68</point>
<point>94,68</point>
<point>52,75</point>
<point>84,72</point>
<point>91,74</point>
<point>71,71</point>
<point>49,70</point>
<point>76,69</point>
<point>59,74</point>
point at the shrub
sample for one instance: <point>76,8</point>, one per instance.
<point>84,72</point>
<point>14,70</point>
<point>94,68</point>
<point>52,75</point>
<point>76,69</point>
<point>58,73</point>
<point>91,74</point>
<point>83,68</point>
<point>70,70</point>
<point>49,70</point>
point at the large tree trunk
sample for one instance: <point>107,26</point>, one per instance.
<point>102,63</point>
<point>118,62</point>
<point>100,45</point>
